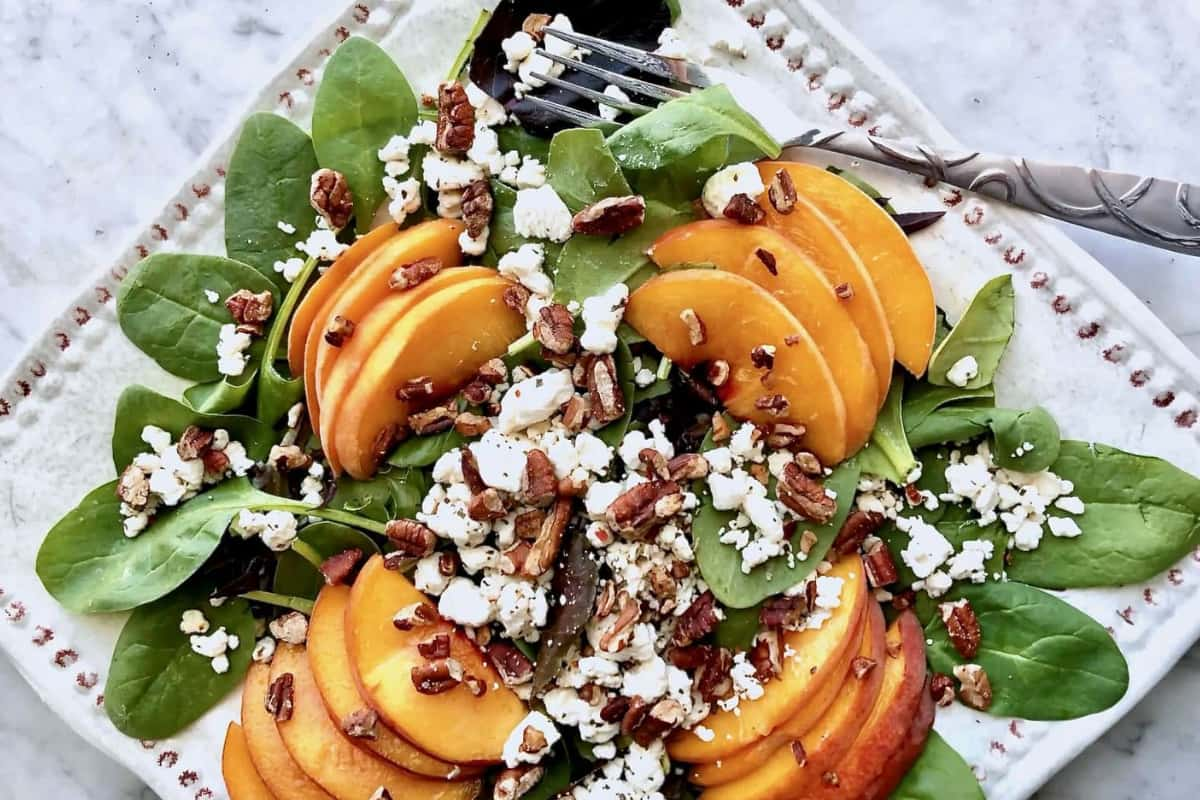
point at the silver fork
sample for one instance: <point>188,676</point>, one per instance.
<point>1153,211</point>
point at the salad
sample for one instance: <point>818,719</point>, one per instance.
<point>526,461</point>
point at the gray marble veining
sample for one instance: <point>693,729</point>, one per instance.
<point>105,106</point>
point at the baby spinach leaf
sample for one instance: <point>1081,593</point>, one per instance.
<point>88,565</point>
<point>1046,660</point>
<point>938,773</point>
<point>162,308</point>
<point>362,102</point>
<point>982,332</point>
<point>956,531</point>
<point>656,389</point>
<point>738,628</point>
<point>590,265</point>
<point>393,493</point>
<point>268,182</point>
<point>278,393</point>
<point>156,685</point>
<point>582,168</point>
<point>887,454</point>
<point>297,577</point>
<point>1141,515</point>
<point>424,451</point>
<point>1027,441</point>
<point>223,396</point>
<point>555,780</point>
<point>612,433</point>
<point>575,583</point>
<point>721,564</point>
<point>922,399</point>
<point>514,137</point>
<point>139,407</point>
<point>677,129</point>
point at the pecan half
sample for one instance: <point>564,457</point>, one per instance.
<point>338,568</point>
<point>857,527</point>
<point>410,537</point>
<point>962,626</point>
<point>360,724</point>
<point>697,333</point>
<point>330,196</point>
<point>339,331</point>
<point>554,328</point>
<point>477,207</point>
<point>414,274</point>
<point>538,482</point>
<point>805,496</point>
<point>415,615</point>
<point>435,420</point>
<point>545,549</point>
<point>699,620</point>
<point>487,505</point>
<point>516,782</point>
<point>881,569</point>
<point>604,390</point>
<point>133,488</point>
<point>437,677</point>
<point>782,192</point>
<point>248,308</point>
<point>280,698</point>
<point>610,216</point>
<point>636,511</point>
<point>941,689</point>
<point>776,405</point>
<point>742,208</point>
<point>975,689</point>
<point>455,120</point>
<point>512,665</point>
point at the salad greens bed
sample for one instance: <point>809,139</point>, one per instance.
<point>1045,659</point>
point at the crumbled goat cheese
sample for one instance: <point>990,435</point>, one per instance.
<point>927,548</point>
<point>534,399</point>
<point>428,577</point>
<point>670,45</point>
<point>524,265</point>
<point>636,441</point>
<point>231,351</point>
<point>643,378</point>
<point>1072,505</point>
<point>971,563</point>
<point>444,172</point>
<point>531,174</point>
<point>395,151</point>
<point>566,707</point>
<point>488,112</point>
<point>277,529</point>
<point>601,316</point>
<point>485,151</point>
<point>449,205</point>
<point>312,488</point>
<point>286,227</point>
<point>264,650</point>
<point>541,214</point>
<point>444,511</point>
<point>290,628</point>
<point>637,775</point>
<point>517,48</point>
<point>936,584</point>
<point>515,755</point>
<point>474,245</point>
<point>963,371</point>
<point>720,460</point>
<point>322,243</point>
<point>405,198</point>
<point>289,269</point>
<point>193,621</point>
<point>463,602</point>
<point>725,183</point>
<point>1064,527</point>
<point>617,93</point>
<point>215,647</point>
<point>600,495</point>
<point>212,296</point>
<point>746,444</point>
<point>520,606</point>
<point>423,133</point>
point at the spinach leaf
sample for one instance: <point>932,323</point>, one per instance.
<point>677,129</point>
<point>223,396</point>
<point>612,433</point>
<point>277,393</point>
<point>983,332</point>
<point>391,494</point>
<point>656,389</point>
<point>922,399</point>
<point>139,407</point>
<point>514,137</point>
<point>582,168</point>
<point>590,265</point>
<point>297,577</point>
<point>268,182</point>
<point>88,565</point>
<point>1141,515</point>
<point>870,191</point>
<point>162,308</point>
<point>156,685</point>
<point>956,532</point>
<point>738,628</point>
<point>555,780</point>
<point>938,773</point>
<point>424,451</point>
<point>721,564</point>
<point>1046,660</point>
<point>887,454</point>
<point>1012,432</point>
<point>362,102</point>
<point>575,584</point>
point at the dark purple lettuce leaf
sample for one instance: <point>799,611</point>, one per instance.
<point>574,585</point>
<point>634,24</point>
<point>912,221</point>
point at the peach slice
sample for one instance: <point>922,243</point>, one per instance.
<point>326,286</point>
<point>737,316</point>
<point>344,371</point>
<point>271,758</point>
<point>331,759</point>
<point>454,725</point>
<point>242,781</point>
<point>906,754</point>
<point>770,260</point>
<point>747,760</point>
<point>884,249</point>
<point>820,653</point>
<point>366,286</point>
<point>444,339</point>
<point>330,662</point>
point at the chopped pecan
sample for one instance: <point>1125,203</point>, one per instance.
<point>606,600</point>
<point>680,570</point>
<point>691,658</point>
<point>414,274</point>
<point>660,718</point>
<point>830,778</point>
<point>699,620</point>
<point>339,331</point>
<point>697,333</point>
<point>798,753</point>
<point>785,436</point>
<point>360,724</point>
<point>415,615</point>
<point>215,462</point>
<point>194,441</point>
<point>477,686</point>
<point>808,463</point>
<point>604,390</point>
<point>844,291</point>
<point>288,457</point>
<point>962,626</point>
<point>805,495</point>
<point>808,540</point>
<point>763,357</point>
<point>554,328</point>
<point>861,666</point>
<point>661,582</point>
<point>616,708</point>
<point>617,633</point>
<point>687,467</point>
<point>435,420</point>
<point>655,463</point>
<point>291,627</point>
<point>417,388</point>
<point>493,371</point>
<point>575,413</point>
<point>512,665</point>
<point>610,216</point>
<point>975,689</point>
<point>881,569</point>
<point>387,438</point>
<point>636,511</point>
<point>768,260</point>
<point>742,208</point>
<point>533,25</point>
<point>381,794</point>
<point>487,505</point>
<point>857,527</point>
<point>512,560</point>
<point>477,207</point>
<point>782,192</point>
<point>782,612</point>
<point>633,711</point>
<point>516,297</point>
<point>338,568</point>
<point>713,679</point>
<point>515,782</point>
<point>720,428</point>
<point>436,646</point>
<point>776,405</point>
<point>533,740</point>
<point>280,698</point>
<point>330,196</point>
<point>455,119</point>
<point>767,655</point>
<point>538,482</point>
<point>411,538</point>
<point>546,547</point>
<point>248,308</point>
<point>437,677</point>
<point>472,425</point>
<point>717,373</point>
<point>477,393</point>
<point>529,523</point>
<point>941,689</point>
<point>133,488</point>
<point>904,600</point>
<point>470,471</point>
<point>448,563</point>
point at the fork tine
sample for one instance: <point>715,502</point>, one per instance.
<point>672,69</point>
<point>636,85</point>
<point>573,115</point>
<point>636,109</point>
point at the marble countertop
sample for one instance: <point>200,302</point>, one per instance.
<point>106,105</point>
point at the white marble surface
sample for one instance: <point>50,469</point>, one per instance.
<point>106,104</point>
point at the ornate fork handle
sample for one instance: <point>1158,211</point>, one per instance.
<point>1157,212</point>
